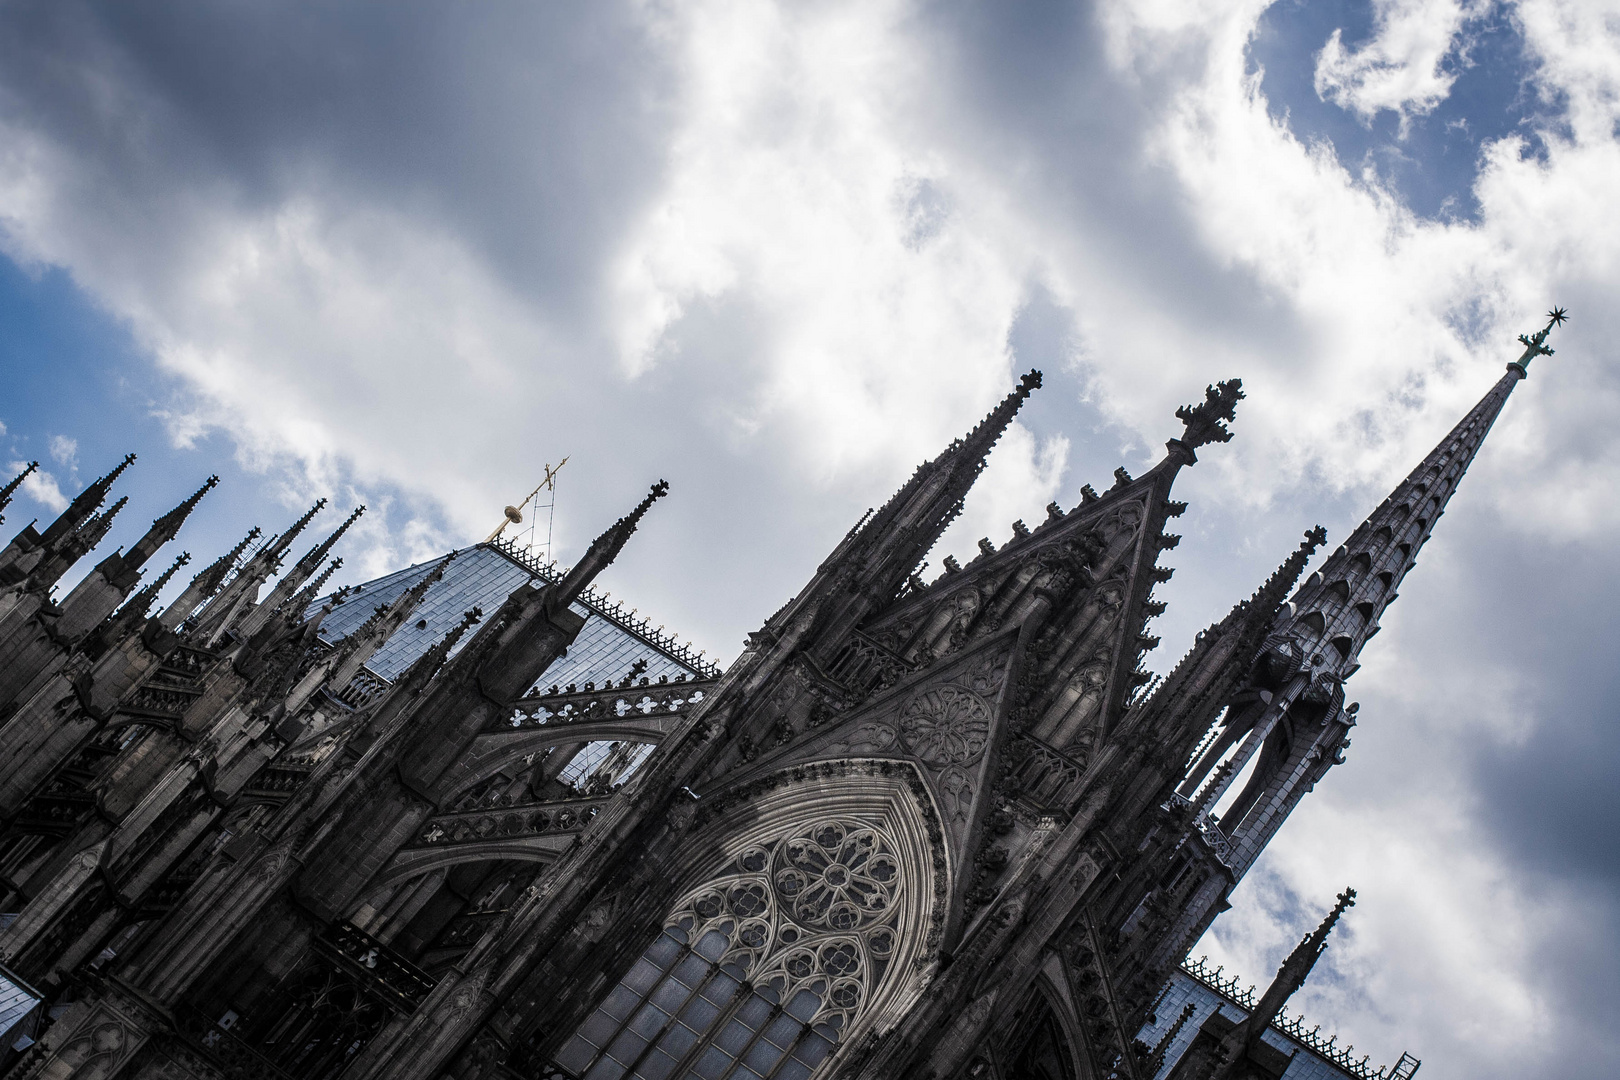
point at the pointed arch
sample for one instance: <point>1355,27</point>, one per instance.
<point>799,929</point>
<point>1041,1045</point>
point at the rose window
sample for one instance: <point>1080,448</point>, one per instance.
<point>946,726</point>
<point>836,876</point>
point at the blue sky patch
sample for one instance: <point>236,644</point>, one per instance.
<point>1433,163</point>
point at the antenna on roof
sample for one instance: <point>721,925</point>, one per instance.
<point>514,514</point>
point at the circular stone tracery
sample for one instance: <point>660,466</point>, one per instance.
<point>946,726</point>
<point>836,876</point>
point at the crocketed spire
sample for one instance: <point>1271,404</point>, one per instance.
<point>205,584</point>
<point>11,488</point>
<point>166,527</point>
<point>604,549</point>
<point>84,504</point>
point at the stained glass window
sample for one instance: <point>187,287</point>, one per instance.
<point>760,972</point>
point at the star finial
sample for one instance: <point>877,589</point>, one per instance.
<point>1535,344</point>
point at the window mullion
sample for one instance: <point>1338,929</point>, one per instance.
<point>776,1010</point>
<point>706,1039</point>
<point>601,1051</point>
<point>805,1031</point>
<point>674,1016</point>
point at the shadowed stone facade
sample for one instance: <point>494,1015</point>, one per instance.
<point>471,821</point>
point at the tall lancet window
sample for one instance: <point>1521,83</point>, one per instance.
<point>759,973</point>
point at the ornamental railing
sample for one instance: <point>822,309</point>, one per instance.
<point>1293,1027</point>
<point>614,612</point>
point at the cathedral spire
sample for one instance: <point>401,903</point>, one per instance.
<point>1337,610</point>
<point>1202,684</point>
<point>136,607</point>
<point>294,579</point>
<point>306,566</point>
<point>308,593</point>
<point>11,488</point>
<point>166,527</point>
<point>604,549</point>
<point>895,539</point>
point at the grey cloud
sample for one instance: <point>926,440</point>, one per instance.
<point>533,132</point>
<point>538,137</point>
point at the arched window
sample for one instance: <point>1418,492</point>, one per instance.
<point>760,972</point>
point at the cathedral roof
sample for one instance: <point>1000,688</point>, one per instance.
<point>483,575</point>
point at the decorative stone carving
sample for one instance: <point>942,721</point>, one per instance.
<point>866,738</point>
<point>836,875</point>
<point>946,726</point>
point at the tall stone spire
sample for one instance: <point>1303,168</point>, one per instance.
<point>1337,610</point>
<point>166,527</point>
<point>1218,664</point>
<point>294,578</point>
<point>11,488</point>
<point>306,566</point>
<point>1332,616</point>
<point>222,611</point>
<point>71,548</point>
<point>276,549</point>
<point>878,555</point>
<point>138,605</point>
<point>891,544</point>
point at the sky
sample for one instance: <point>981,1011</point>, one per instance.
<point>406,254</point>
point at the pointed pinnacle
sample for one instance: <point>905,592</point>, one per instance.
<point>425,665</point>
<point>314,587</point>
<point>83,505</point>
<point>97,527</point>
<point>212,576</point>
<point>1317,940</point>
<point>421,587</point>
<point>1271,595</point>
<point>166,527</point>
<point>605,548</point>
<point>7,491</point>
<point>313,558</point>
<point>279,545</point>
<point>982,439</point>
<point>138,605</point>
<point>118,470</point>
<point>183,511</point>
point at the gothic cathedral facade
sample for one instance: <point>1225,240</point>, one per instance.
<point>929,830</point>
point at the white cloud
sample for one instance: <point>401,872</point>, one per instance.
<point>776,255</point>
<point>40,486</point>
<point>64,450</point>
<point>1401,68</point>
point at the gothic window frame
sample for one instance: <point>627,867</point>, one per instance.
<point>766,967</point>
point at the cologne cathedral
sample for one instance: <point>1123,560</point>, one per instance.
<point>473,821</point>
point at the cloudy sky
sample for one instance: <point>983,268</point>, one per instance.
<point>406,254</point>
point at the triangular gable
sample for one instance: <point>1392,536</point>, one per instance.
<point>949,722</point>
